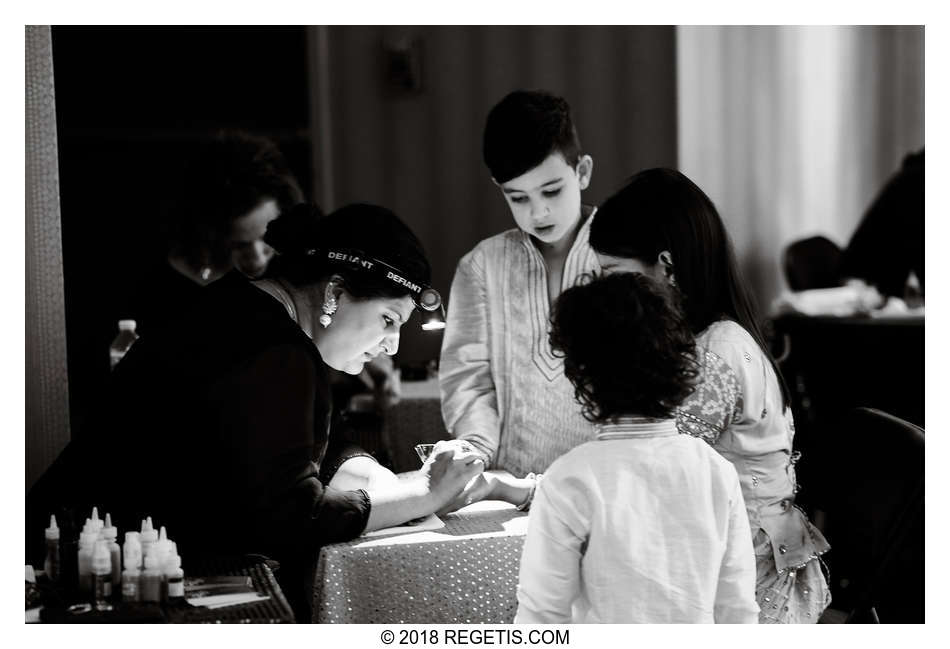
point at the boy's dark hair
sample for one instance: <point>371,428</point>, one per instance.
<point>661,209</point>
<point>523,129</point>
<point>627,350</point>
<point>370,230</point>
<point>226,178</point>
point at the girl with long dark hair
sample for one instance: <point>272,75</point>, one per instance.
<point>662,225</point>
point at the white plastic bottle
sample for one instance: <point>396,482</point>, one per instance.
<point>109,534</point>
<point>52,562</point>
<point>148,536</point>
<point>131,576</point>
<point>151,581</point>
<point>132,560</point>
<point>122,342</point>
<point>87,544</point>
<point>102,576</point>
<point>174,577</point>
<point>132,549</point>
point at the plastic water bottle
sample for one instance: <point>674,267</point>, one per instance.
<point>122,342</point>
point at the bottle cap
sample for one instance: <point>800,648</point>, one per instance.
<point>96,523</point>
<point>109,532</point>
<point>149,534</point>
<point>52,532</point>
<point>126,325</point>
<point>101,561</point>
<point>132,535</point>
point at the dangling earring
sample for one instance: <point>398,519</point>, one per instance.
<point>205,273</point>
<point>329,308</point>
<point>667,261</point>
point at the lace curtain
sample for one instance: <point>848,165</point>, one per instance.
<point>792,131</point>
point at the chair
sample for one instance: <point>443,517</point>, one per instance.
<point>868,485</point>
<point>812,263</point>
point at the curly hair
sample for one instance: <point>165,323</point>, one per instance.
<point>627,349</point>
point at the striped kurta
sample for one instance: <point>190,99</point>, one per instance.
<point>503,389</point>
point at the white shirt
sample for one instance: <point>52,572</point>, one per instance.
<point>642,525</point>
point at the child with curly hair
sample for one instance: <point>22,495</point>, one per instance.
<point>642,524</point>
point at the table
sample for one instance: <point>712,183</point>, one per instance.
<point>275,609</point>
<point>464,573</point>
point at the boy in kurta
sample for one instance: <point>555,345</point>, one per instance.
<point>503,390</point>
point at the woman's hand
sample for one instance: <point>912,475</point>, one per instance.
<point>448,470</point>
<point>440,480</point>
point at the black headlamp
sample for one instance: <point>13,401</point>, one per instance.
<point>426,298</point>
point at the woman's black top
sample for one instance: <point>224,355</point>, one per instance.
<point>215,426</point>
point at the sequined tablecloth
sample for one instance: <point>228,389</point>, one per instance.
<point>464,573</point>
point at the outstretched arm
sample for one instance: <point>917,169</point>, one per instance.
<point>469,401</point>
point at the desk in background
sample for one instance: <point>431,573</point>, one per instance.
<point>833,364</point>
<point>464,573</point>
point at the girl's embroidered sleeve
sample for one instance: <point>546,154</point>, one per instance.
<point>710,409</point>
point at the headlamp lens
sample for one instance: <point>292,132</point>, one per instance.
<point>429,299</point>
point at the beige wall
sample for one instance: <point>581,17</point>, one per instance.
<point>47,395</point>
<point>420,153</point>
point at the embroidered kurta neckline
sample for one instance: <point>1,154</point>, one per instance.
<point>540,305</point>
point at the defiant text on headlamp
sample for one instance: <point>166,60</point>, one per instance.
<point>425,297</point>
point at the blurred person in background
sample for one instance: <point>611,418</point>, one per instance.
<point>887,249</point>
<point>231,188</point>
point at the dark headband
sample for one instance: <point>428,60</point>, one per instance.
<point>424,296</point>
